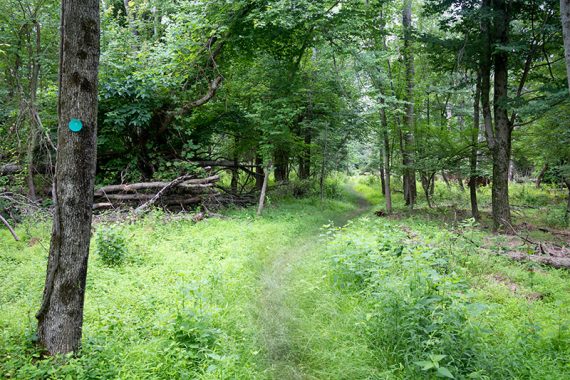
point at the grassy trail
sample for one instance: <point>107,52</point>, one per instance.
<point>277,314</point>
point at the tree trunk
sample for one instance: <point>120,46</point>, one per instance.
<point>541,176</point>
<point>305,160</point>
<point>60,318</point>
<point>473,156</point>
<point>426,184</point>
<point>565,15</point>
<point>408,154</point>
<point>235,171</point>
<point>501,151</point>
<point>498,136</point>
<point>264,188</point>
<point>386,158</point>
<point>567,214</point>
<point>281,165</point>
<point>32,143</point>
<point>259,171</point>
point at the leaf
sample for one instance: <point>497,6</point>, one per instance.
<point>425,364</point>
<point>444,372</point>
<point>437,358</point>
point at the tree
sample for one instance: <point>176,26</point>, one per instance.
<point>60,318</point>
<point>408,138</point>
<point>565,15</point>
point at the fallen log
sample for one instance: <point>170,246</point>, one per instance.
<point>162,191</point>
<point>8,169</point>
<point>178,201</point>
<point>188,183</point>
<point>556,262</point>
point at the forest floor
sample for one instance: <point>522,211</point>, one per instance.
<point>311,290</point>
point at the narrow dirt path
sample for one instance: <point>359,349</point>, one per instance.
<point>275,314</point>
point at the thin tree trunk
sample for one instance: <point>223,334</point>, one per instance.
<point>567,215</point>
<point>60,317</point>
<point>541,176</point>
<point>565,15</point>
<point>259,173</point>
<point>386,158</point>
<point>323,165</point>
<point>235,170</point>
<point>32,144</point>
<point>409,143</point>
<point>426,182</point>
<point>445,179</point>
<point>264,188</point>
<point>473,157</point>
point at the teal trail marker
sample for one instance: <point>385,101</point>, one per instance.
<point>75,125</point>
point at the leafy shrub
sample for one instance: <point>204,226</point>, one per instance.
<point>111,246</point>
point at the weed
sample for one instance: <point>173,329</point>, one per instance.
<point>111,246</point>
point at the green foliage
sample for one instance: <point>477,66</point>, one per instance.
<point>185,309</point>
<point>111,246</point>
<point>435,306</point>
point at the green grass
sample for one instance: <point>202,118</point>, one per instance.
<point>292,295</point>
<point>183,304</point>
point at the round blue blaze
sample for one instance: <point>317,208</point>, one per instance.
<point>75,125</point>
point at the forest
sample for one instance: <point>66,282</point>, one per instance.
<point>285,189</point>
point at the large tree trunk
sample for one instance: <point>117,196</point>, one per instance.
<point>60,318</point>
<point>473,156</point>
<point>565,14</point>
<point>410,190</point>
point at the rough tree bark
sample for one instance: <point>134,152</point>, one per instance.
<point>565,15</point>
<point>501,150</point>
<point>498,136</point>
<point>60,318</point>
<point>410,190</point>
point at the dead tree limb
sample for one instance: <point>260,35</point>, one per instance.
<point>169,186</point>
<point>9,228</point>
<point>128,188</point>
<point>264,188</point>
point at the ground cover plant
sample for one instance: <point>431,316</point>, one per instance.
<point>312,290</point>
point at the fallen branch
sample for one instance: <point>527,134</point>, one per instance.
<point>169,186</point>
<point>187,183</point>
<point>9,228</point>
<point>556,262</point>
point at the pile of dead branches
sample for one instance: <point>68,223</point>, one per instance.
<point>182,192</point>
